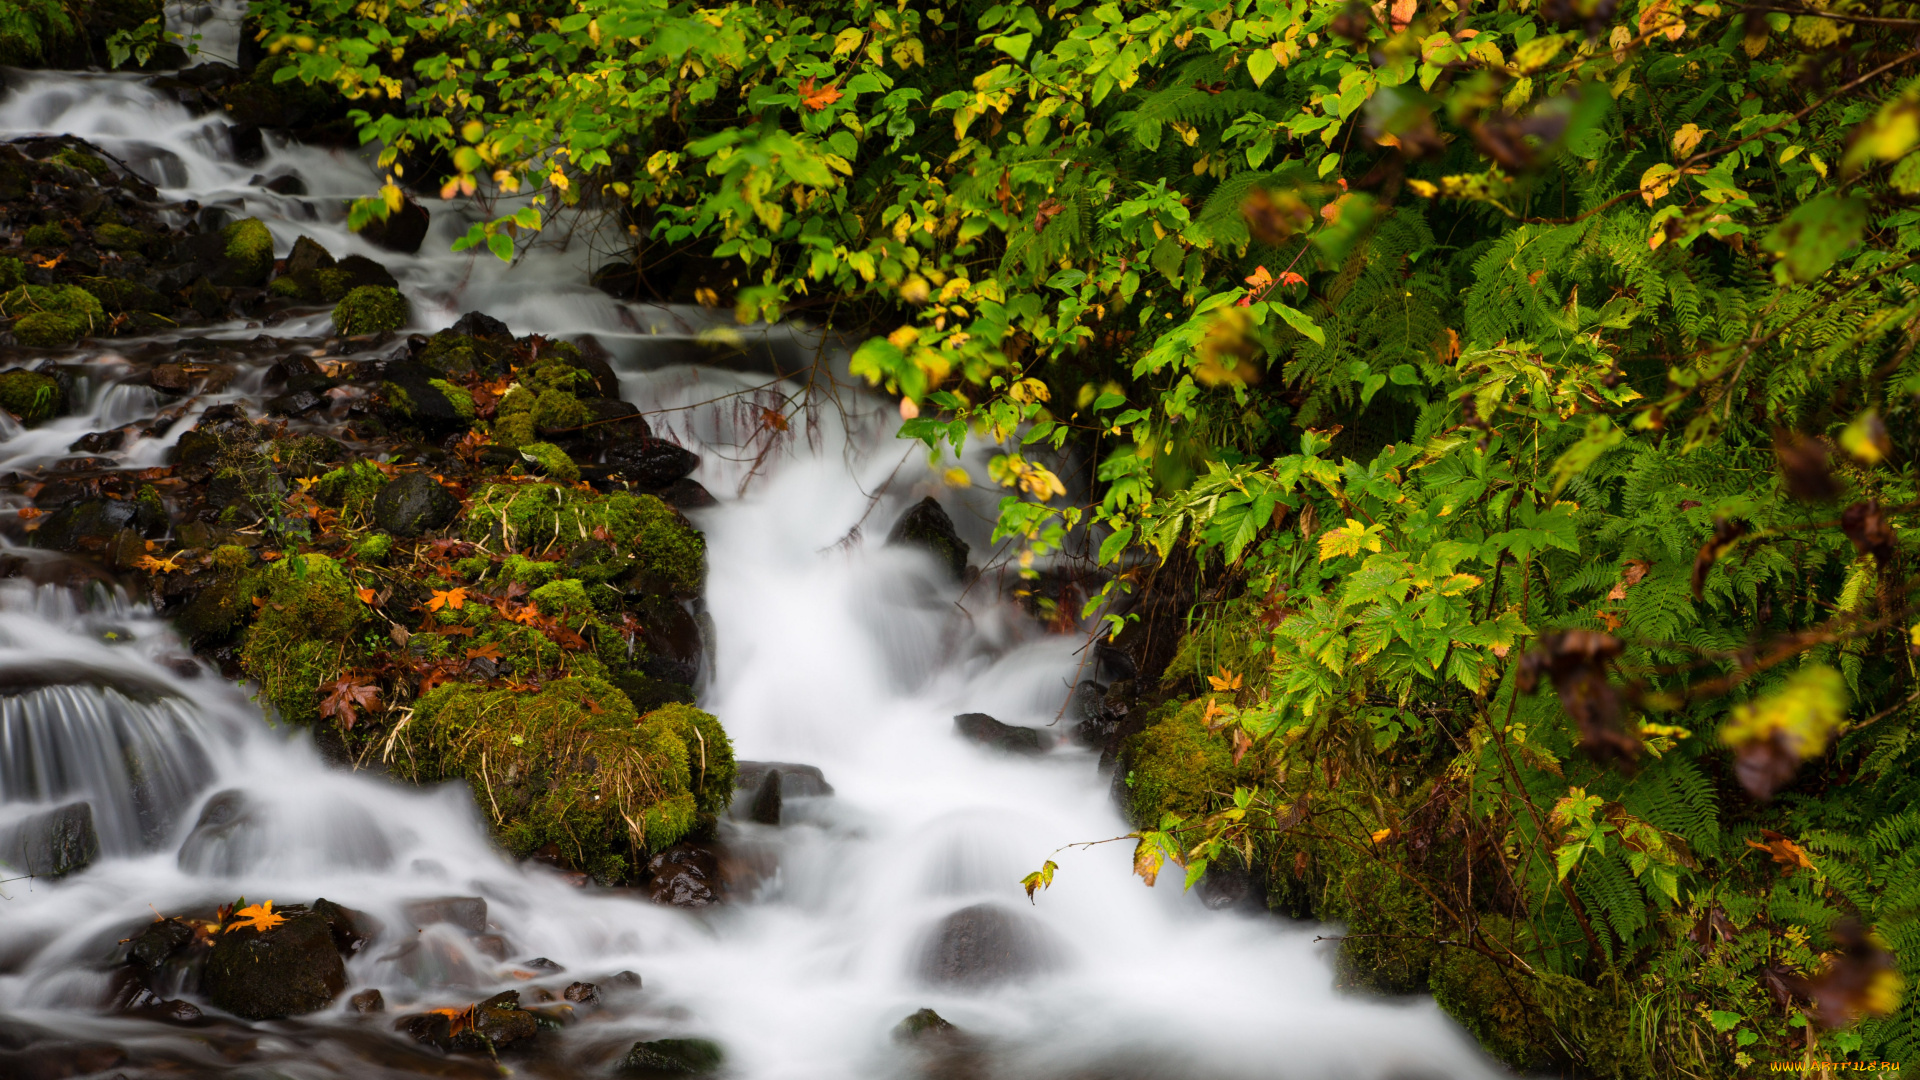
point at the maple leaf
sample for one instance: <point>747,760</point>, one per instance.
<point>1784,851</point>
<point>259,917</point>
<point>1039,879</point>
<point>1290,278</point>
<point>344,698</point>
<point>451,598</point>
<point>1226,680</point>
<point>28,513</point>
<point>157,566</point>
<point>45,263</point>
<point>366,596</point>
<point>489,651</point>
<point>818,97</point>
<point>1259,279</point>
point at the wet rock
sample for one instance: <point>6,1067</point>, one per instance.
<point>370,309</point>
<point>498,1023</point>
<point>766,801</point>
<point>352,930</point>
<point>249,143</point>
<point>623,980</point>
<point>582,993</point>
<point>53,843</point>
<point>796,781</point>
<point>404,230</point>
<point>95,522</point>
<point>212,846</point>
<point>1006,738</point>
<point>686,493</point>
<point>685,875</point>
<point>58,1060</point>
<point>194,448</point>
<point>611,421</point>
<point>367,1002</point>
<point>295,403</point>
<point>159,941</point>
<point>99,442</point>
<point>671,1057</point>
<point>541,963</point>
<point>469,913</point>
<point>413,504</point>
<point>290,970</point>
<point>651,463</point>
<point>240,254</point>
<point>927,526</point>
<point>32,396</point>
<point>979,946</point>
<point>361,270</point>
<point>920,1024</point>
<point>1232,888</point>
<point>417,396</point>
<point>170,1011</point>
<point>119,294</point>
<point>287,184</point>
<point>480,324</point>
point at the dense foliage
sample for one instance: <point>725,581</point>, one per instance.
<point>1530,384</point>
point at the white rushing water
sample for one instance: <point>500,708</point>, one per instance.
<point>850,657</point>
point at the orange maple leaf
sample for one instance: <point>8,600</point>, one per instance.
<point>818,97</point>
<point>452,598</point>
<point>1226,680</point>
<point>366,596</point>
<point>1290,278</point>
<point>489,651</point>
<point>157,566</point>
<point>1784,851</point>
<point>259,917</point>
<point>1260,278</point>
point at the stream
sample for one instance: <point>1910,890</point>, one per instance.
<point>828,649</point>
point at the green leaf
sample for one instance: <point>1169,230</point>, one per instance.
<point>1815,235</point>
<point>1014,45</point>
<point>1166,258</point>
<point>1260,64</point>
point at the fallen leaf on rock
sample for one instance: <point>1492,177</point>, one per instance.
<point>260,917</point>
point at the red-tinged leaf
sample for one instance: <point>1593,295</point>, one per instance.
<point>449,598</point>
<point>366,595</point>
<point>489,651</point>
<point>818,97</point>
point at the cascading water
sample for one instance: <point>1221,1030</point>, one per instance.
<point>848,656</point>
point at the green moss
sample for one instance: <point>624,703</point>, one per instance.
<point>515,431</point>
<point>48,235</point>
<point>330,284</point>
<point>370,309</point>
<point>248,247</point>
<point>572,765</point>
<point>459,354</point>
<point>118,294</point>
<point>230,557</point>
<point>517,400</point>
<point>556,410</point>
<point>302,636</point>
<point>551,461</point>
<point>564,597</point>
<point>28,31</point>
<point>57,299</point>
<point>119,238</point>
<point>287,287</point>
<point>31,396</point>
<point>457,396</point>
<point>532,573</point>
<point>671,553</point>
<point>374,550</point>
<point>1175,765</point>
<point>1493,1005</point>
<point>13,274</point>
<point>45,330</point>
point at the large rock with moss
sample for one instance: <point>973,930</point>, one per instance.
<point>52,316</point>
<point>32,396</point>
<point>370,309</point>
<point>416,398</point>
<point>414,503</point>
<point>303,633</point>
<point>573,766</point>
<point>667,554</point>
<point>290,970</point>
<point>1174,764</point>
<point>926,526</point>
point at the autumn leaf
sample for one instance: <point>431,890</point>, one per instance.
<point>489,651</point>
<point>1288,277</point>
<point>1039,879</point>
<point>451,598</point>
<point>818,97</point>
<point>259,917</point>
<point>1381,836</point>
<point>28,513</point>
<point>157,566</point>
<point>1350,539</point>
<point>1224,681</point>
<point>1784,851</point>
<point>1259,279</point>
<point>1146,860</point>
<point>366,596</point>
<point>344,698</point>
<point>1773,734</point>
<point>1631,574</point>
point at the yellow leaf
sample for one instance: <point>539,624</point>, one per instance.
<point>259,917</point>
<point>1381,836</point>
<point>393,197</point>
<point>1657,181</point>
<point>1226,680</point>
<point>1866,438</point>
<point>957,477</point>
<point>1350,539</point>
<point>1147,860</point>
<point>1686,138</point>
<point>1803,715</point>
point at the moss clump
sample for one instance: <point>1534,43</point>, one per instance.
<point>667,551</point>
<point>457,396</point>
<point>116,294</point>
<point>1175,765</point>
<point>119,238</point>
<point>45,330</point>
<point>300,640</point>
<point>248,248</point>
<point>572,765</point>
<point>515,431</point>
<point>13,274</point>
<point>80,160</point>
<point>230,557</point>
<point>458,354</point>
<point>532,573</point>
<point>48,235</point>
<point>51,316</point>
<point>551,460</point>
<point>287,287</point>
<point>370,309</point>
<point>316,286</point>
<point>564,597</point>
<point>374,550</point>
<point>31,396</point>
<point>558,410</point>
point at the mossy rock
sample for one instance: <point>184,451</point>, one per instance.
<point>458,396</point>
<point>551,461</point>
<point>302,636</point>
<point>566,597</point>
<point>352,488</point>
<point>515,430</point>
<point>118,294</point>
<point>1494,1005</point>
<point>50,235</point>
<point>666,549</point>
<point>374,550</point>
<point>120,238</point>
<point>71,300</point>
<point>45,330</point>
<point>1175,765</point>
<point>558,410</point>
<point>248,249</point>
<point>30,396</point>
<point>574,766</point>
<point>13,274</point>
<point>460,354</point>
<point>371,309</point>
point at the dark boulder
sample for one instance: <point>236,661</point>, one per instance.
<point>290,970</point>
<point>610,421</point>
<point>160,940</point>
<point>582,993</point>
<point>796,781</point>
<point>671,1057</point>
<point>480,324</point>
<point>414,503</point>
<point>469,913</point>
<point>985,730</point>
<point>352,930</point>
<point>651,463</point>
<point>307,256</point>
<point>765,809</point>
<point>686,493</point>
<point>417,395</point>
<point>498,1023</point>
<point>367,1002</point>
<point>98,442</point>
<point>403,231</point>
<point>95,522</point>
<point>685,875</point>
<point>982,945</point>
<point>361,270</point>
<point>53,843</point>
<point>920,1025</point>
<point>927,526</point>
